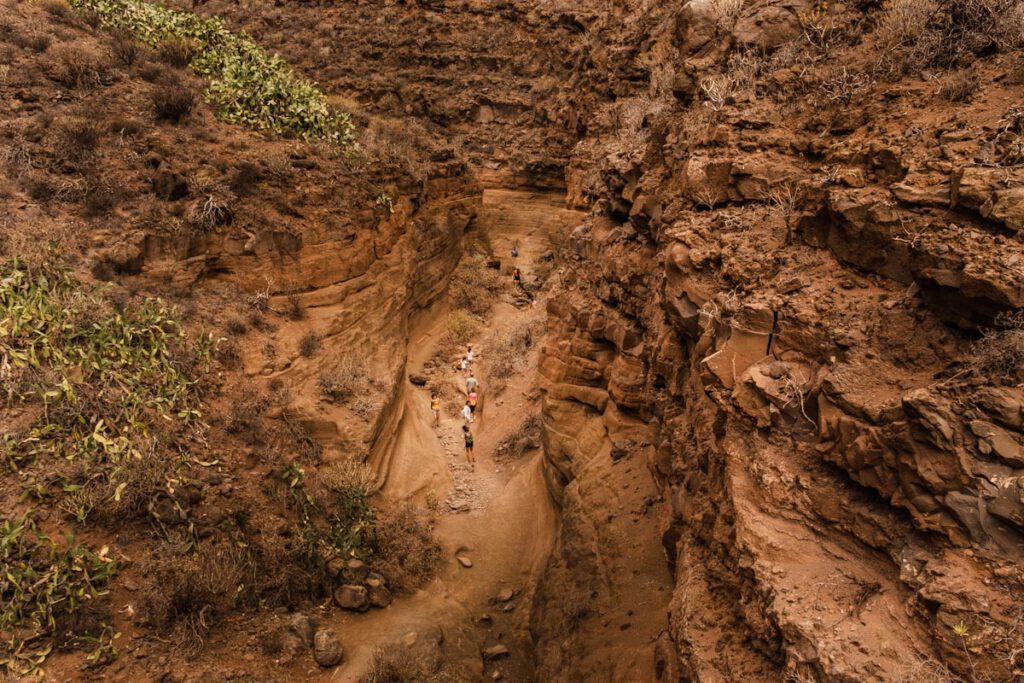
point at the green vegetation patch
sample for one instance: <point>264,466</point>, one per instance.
<point>48,592</point>
<point>249,86</point>
<point>104,378</point>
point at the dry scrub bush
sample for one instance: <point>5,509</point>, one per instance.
<point>917,34</point>
<point>344,381</point>
<point>999,353</point>
<point>398,144</point>
<point>172,101</point>
<point>35,41</point>
<point>309,344</point>
<point>843,85</point>
<point>190,594</point>
<point>717,91</point>
<point>76,139</point>
<point>725,13</point>
<point>177,52</point>
<point>398,664</point>
<point>1010,137</point>
<point>525,438</point>
<point>460,328</point>
<point>125,48</point>
<point>212,208</point>
<point>404,548</point>
<point>473,286</point>
<point>960,86</point>
<point>76,66</point>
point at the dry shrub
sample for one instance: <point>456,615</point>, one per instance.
<point>917,34</point>
<point>999,353</point>
<point>460,327</point>
<point>398,144</point>
<point>395,664</point>
<point>236,325</point>
<point>1010,137</point>
<point>229,354</point>
<point>101,195</point>
<point>35,41</point>
<point>18,156</point>
<point>172,102</point>
<point>177,52</point>
<point>507,354</point>
<point>279,166</point>
<point>125,48</point>
<point>77,66</point>
<point>960,86</point>
<point>404,549</point>
<point>473,286</point>
<point>212,208</point>
<point>56,8</point>
<point>76,139</point>
<point>344,381</point>
<point>843,85</point>
<point>309,344</point>
<point>294,309</point>
<point>190,594</point>
<point>725,12</point>
<point>525,438</point>
<point>245,417</point>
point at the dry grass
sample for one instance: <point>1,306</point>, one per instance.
<point>397,664</point>
<point>999,353</point>
<point>917,34</point>
<point>473,286</point>
<point>189,595</point>
<point>172,102</point>
<point>309,344</point>
<point>405,550</point>
<point>77,66</point>
<point>342,382</point>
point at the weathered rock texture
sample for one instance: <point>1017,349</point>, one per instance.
<point>776,309</point>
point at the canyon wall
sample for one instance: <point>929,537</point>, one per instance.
<point>785,308</point>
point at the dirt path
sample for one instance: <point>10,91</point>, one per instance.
<point>499,516</point>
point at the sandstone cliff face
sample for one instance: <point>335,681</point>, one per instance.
<point>782,324</point>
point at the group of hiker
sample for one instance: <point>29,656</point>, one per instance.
<point>468,412</point>
<point>465,365</point>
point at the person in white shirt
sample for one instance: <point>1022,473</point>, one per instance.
<point>467,413</point>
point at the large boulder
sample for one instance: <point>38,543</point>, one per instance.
<point>352,597</point>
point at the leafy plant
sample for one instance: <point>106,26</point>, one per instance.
<point>109,378</point>
<point>42,585</point>
<point>249,86</point>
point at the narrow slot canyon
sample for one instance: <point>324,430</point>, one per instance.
<point>730,289</point>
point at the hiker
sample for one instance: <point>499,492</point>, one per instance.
<point>468,435</point>
<point>469,356</point>
<point>515,251</point>
<point>472,402</point>
<point>435,407</point>
<point>467,413</point>
<point>471,383</point>
<point>517,279</point>
<point>463,364</point>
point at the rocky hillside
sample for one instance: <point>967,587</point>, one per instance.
<point>826,357</point>
<point>783,414</point>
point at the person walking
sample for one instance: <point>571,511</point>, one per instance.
<point>467,413</point>
<point>468,435</point>
<point>471,383</point>
<point>469,358</point>
<point>517,279</point>
<point>515,250</point>
<point>435,407</point>
<point>472,403</point>
<point>463,364</point>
